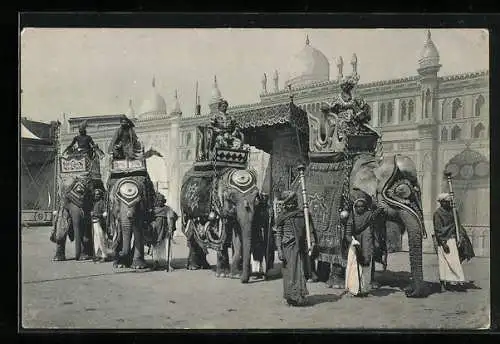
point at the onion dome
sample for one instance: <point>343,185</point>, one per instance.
<point>308,66</point>
<point>154,106</point>
<point>429,56</point>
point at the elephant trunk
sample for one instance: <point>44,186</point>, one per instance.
<point>413,226</point>
<point>245,219</point>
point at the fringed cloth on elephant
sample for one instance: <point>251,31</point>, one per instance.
<point>326,185</point>
<point>291,236</point>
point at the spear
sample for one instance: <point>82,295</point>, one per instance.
<point>454,208</point>
<point>301,169</point>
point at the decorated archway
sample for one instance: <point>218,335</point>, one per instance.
<point>470,172</point>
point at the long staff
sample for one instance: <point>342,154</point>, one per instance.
<point>454,208</point>
<point>301,169</point>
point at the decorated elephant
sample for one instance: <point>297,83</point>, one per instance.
<point>130,202</point>
<point>218,211</point>
<point>72,219</point>
<point>392,183</point>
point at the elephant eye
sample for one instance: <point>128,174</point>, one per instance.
<point>403,191</point>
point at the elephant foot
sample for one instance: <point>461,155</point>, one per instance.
<point>244,279</point>
<point>416,291</point>
<point>235,276</point>
<point>313,279</point>
<point>375,285</point>
<point>192,267</point>
<point>118,265</point>
<point>139,264</point>
<point>84,257</point>
<point>58,258</point>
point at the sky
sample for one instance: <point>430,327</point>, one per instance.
<point>85,72</point>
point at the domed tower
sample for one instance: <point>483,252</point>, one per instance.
<point>427,112</point>
<point>154,106</point>
<point>428,69</point>
<point>308,66</point>
<point>216,97</point>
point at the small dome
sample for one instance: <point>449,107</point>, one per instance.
<point>154,106</point>
<point>429,56</point>
<point>308,65</point>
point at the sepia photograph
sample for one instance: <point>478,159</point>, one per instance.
<point>264,178</point>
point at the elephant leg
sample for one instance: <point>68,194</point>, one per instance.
<point>60,250</point>
<point>246,249</point>
<point>417,286</point>
<point>87,242</point>
<point>236,261</point>
<point>336,279</point>
<point>197,258</point>
<point>124,255</point>
<point>138,261</point>
<point>223,262</point>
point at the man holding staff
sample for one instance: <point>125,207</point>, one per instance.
<point>296,242</point>
<point>453,243</point>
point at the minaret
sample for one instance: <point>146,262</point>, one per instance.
<point>264,84</point>
<point>176,109</point>
<point>354,64</point>
<point>216,97</point>
<point>426,114</point>
<point>307,40</point>
<point>340,66</point>
<point>275,79</point>
<point>197,109</point>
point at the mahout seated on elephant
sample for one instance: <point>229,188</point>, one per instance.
<point>226,131</point>
<point>125,144</point>
<point>84,144</point>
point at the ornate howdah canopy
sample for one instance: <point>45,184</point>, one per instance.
<point>260,125</point>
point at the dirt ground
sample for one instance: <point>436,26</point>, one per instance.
<point>91,295</point>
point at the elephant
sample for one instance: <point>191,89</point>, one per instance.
<point>130,202</point>
<point>73,217</point>
<point>227,205</point>
<point>392,184</point>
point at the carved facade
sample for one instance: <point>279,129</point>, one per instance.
<point>428,117</point>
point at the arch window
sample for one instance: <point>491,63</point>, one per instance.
<point>444,134</point>
<point>403,111</point>
<point>456,106</point>
<point>428,103</point>
<point>382,114</point>
<point>479,131</point>
<point>478,107</point>
<point>389,112</point>
<point>411,110</point>
<point>456,133</point>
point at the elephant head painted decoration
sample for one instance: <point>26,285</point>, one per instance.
<point>392,183</point>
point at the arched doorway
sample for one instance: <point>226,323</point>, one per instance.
<point>471,185</point>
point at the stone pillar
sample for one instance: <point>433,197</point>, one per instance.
<point>397,111</point>
<point>375,114</point>
<point>174,168</point>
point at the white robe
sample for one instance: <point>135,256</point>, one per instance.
<point>450,269</point>
<point>99,240</point>
<point>357,274</point>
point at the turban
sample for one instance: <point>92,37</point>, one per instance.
<point>444,197</point>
